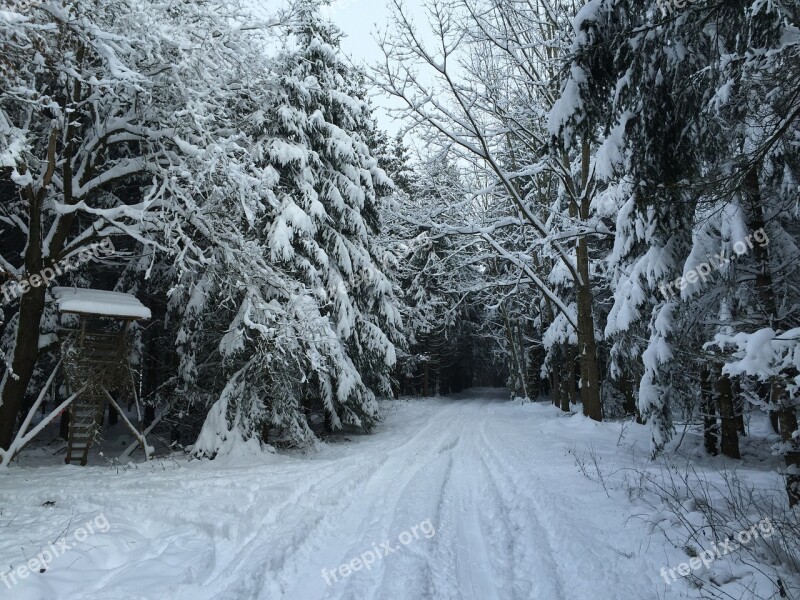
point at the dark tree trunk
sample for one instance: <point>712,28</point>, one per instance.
<point>738,405</point>
<point>775,422</point>
<point>587,347</point>
<point>113,415</point>
<point>730,436</point>
<point>518,374</point>
<point>63,425</point>
<point>710,427</point>
<point>556,387</point>
<point>25,355</point>
<point>570,397</point>
<point>149,415</point>
<point>264,433</point>
<point>626,387</point>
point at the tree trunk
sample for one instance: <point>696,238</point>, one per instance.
<point>587,348</point>
<point>564,396</point>
<point>590,376</point>
<point>738,406</point>
<point>730,435</point>
<point>775,422</point>
<point>570,397</point>
<point>523,362</point>
<point>63,425</point>
<point>533,359</point>
<point>626,388</point>
<point>25,352</point>
<point>149,415</point>
<point>25,355</point>
<point>556,387</point>
<point>710,427</point>
<point>518,379</point>
<point>113,416</point>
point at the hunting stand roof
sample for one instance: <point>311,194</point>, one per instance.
<point>99,303</point>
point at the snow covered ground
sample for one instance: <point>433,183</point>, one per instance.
<point>473,497</point>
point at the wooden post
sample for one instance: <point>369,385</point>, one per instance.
<point>148,451</point>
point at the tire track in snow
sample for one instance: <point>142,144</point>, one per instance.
<point>565,530</point>
<point>384,495</point>
<point>470,568</point>
<point>275,559</point>
<point>537,568</point>
<point>262,566</point>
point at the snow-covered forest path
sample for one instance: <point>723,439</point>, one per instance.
<point>477,497</point>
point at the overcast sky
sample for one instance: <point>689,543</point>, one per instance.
<point>359,20</point>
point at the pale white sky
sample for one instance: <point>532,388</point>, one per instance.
<point>360,20</point>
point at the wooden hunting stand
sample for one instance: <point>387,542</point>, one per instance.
<point>95,359</point>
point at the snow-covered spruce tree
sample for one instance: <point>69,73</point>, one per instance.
<point>312,318</point>
<point>394,157</point>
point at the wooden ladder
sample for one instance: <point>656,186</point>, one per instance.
<point>86,418</point>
